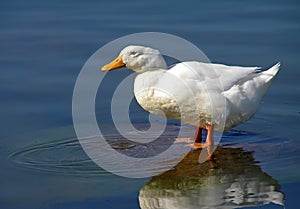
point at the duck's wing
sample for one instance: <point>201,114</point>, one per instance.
<point>212,74</point>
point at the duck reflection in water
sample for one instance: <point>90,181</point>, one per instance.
<point>231,180</point>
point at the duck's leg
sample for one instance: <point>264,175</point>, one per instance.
<point>209,143</point>
<point>210,135</point>
<point>198,135</point>
<point>198,139</point>
<point>209,138</point>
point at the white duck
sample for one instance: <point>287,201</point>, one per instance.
<point>210,96</point>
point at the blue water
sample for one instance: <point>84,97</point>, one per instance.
<point>44,44</point>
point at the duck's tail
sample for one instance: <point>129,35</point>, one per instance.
<point>271,73</point>
<point>244,99</point>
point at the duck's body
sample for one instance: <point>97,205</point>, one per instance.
<point>201,94</point>
<point>241,89</point>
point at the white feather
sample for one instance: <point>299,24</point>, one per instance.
<point>198,93</point>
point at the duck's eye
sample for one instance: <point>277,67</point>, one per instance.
<point>134,54</point>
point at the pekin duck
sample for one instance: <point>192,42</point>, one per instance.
<point>205,95</point>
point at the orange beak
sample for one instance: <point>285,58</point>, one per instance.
<point>115,64</point>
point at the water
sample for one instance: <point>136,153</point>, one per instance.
<point>45,44</point>
<point>239,175</point>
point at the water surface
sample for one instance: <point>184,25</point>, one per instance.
<point>45,44</point>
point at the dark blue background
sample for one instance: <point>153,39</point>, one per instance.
<point>44,44</point>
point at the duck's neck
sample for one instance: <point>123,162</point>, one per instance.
<point>149,70</point>
<point>148,79</point>
<point>150,63</point>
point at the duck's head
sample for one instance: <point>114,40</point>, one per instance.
<point>138,59</point>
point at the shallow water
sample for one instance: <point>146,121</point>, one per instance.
<point>242,174</point>
<point>45,44</point>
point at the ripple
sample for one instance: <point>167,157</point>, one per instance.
<point>59,152</point>
<point>63,154</point>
